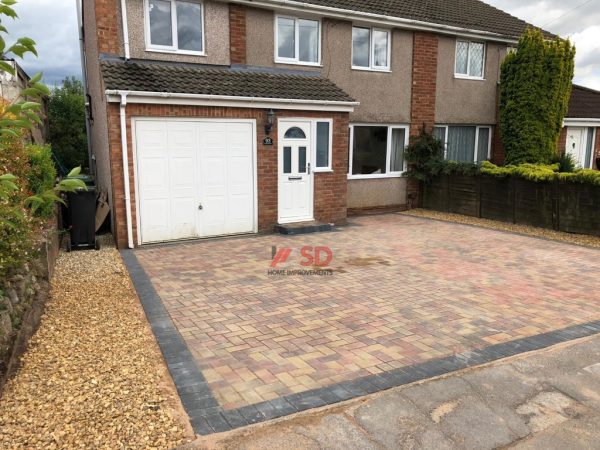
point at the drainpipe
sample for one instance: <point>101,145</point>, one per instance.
<point>125,29</point>
<point>126,169</point>
<point>91,162</point>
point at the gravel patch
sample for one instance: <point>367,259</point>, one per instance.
<point>93,376</point>
<point>578,239</point>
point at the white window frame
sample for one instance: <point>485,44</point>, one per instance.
<point>175,47</point>
<point>388,159</point>
<point>329,167</point>
<point>371,67</point>
<point>477,128</point>
<point>467,76</point>
<point>296,60</point>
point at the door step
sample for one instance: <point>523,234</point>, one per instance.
<point>312,226</point>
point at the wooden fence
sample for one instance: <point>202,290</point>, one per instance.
<point>570,207</point>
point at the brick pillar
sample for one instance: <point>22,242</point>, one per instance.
<point>562,141</point>
<point>424,85</point>
<point>237,33</point>
<point>498,154</point>
<point>108,13</point>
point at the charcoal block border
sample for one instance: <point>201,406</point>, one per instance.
<point>207,416</point>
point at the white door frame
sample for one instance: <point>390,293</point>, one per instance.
<point>134,120</point>
<point>584,141</point>
<point>281,129</point>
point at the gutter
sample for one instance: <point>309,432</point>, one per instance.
<point>380,19</point>
<point>125,29</point>
<point>124,151</point>
<point>158,97</point>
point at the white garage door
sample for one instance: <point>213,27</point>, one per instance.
<point>194,178</point>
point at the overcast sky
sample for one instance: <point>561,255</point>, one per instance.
<point>53,25</point>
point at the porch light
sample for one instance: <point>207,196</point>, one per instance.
<point>270,122</point>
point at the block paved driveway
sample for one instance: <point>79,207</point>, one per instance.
<point>403,290</point>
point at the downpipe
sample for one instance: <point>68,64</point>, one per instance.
<point>124,149</point>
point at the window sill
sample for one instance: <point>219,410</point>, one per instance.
<point>465,77</point>
<point>376,177</point>
<point>176,52</point>
<point>322,170</point>
<point>367,69</point>
<point>297,63</point>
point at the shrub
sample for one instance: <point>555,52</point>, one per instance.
<point>424,155</point>
<point>535,86</point>
<point>42,175</point>
<point>566,162</point>
<point>584,176</point>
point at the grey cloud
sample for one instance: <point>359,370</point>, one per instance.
<point>53,25</point>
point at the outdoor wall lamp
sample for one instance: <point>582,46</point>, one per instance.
<point>270,122</point>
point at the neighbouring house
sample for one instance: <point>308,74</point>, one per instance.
<point>214,117</point>
<point>11,87</point>
<point>580,136</point>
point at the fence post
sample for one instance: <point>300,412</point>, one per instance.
<point>478,195</point>
<point>513,182</point>
<point>557,205</point>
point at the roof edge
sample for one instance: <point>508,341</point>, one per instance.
<point>381,19</point>
<point>116,96</point>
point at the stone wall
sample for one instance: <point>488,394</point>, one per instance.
<point>23,295</point>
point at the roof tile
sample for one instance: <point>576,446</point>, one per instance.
<point>166,77</point>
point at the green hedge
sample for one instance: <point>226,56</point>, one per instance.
<point>542,173</point>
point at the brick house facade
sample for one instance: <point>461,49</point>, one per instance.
<point>238,66</point>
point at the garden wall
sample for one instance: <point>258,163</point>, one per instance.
<point>563,206</point>
<point>22,300</point>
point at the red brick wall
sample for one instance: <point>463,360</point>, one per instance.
<point>108,30</point>
<point>237,33</point>
<point>562,141</point>
<point>498,153</point>
<point>424,85</point>
<point>424,81</point>
<point>330,188</point>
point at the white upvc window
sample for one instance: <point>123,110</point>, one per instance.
<point>323,145</point>
<point>377,150</point>
<point>297,41</point>
<point>469,60</point>
<point>175,26</point>
<point>465,143</point>
<point>371,48</point>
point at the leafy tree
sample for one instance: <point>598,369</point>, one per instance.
<point>535,86</point>
<point>18,204</point>
<point>66,113</point>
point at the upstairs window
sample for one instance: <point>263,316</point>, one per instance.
<point>370,49</point>
<point>297,41</point>
<point>175,26</point>
<point>470,60</point>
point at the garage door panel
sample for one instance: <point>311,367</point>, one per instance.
<point>185,164</point>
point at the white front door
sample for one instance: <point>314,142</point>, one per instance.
<point>576,143</point>
<point>195,178</point>
<point>295,171</point>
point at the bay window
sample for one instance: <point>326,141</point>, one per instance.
<point>297,41</point>
<point>470,60</point>
<point>377,150</point>
<point>370,48</point>
<point>175,26</point>
<point>470,143</point>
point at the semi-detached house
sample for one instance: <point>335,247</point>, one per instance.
<point>212,117</point>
